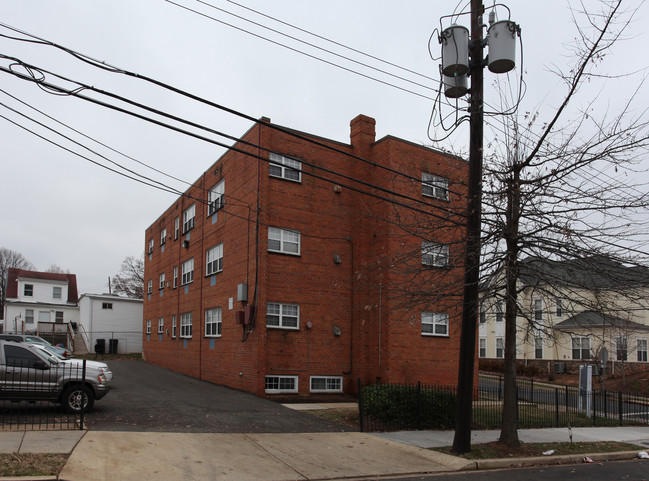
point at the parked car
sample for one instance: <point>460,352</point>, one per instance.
<point>100,366</point>
<point>29,374</point>
<point>36,340</point>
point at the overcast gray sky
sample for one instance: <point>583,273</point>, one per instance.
<point>58,208</point>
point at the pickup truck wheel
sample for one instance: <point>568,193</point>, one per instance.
<point>74,395</point>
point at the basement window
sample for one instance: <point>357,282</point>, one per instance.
<point>281,384</point>
<point>326,384</point>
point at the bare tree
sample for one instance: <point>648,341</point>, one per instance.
<point>130,280</point>
<point>8,259</point>
<point>567,189</point>
<point>54,269</point>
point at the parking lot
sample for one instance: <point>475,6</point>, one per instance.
<point>145,397</point>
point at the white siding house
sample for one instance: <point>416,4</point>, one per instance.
<point>115,320</point>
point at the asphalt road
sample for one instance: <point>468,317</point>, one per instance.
<point>144,397</point>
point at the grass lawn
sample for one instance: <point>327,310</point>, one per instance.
<point>12,465</point>
<point>499,450</point>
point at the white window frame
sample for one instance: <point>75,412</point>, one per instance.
<point>175,280</point>
<point>500,347</point>
<point>163,236</point>
<point>434,186</point>
<point>57,292</point>
<point>434,254</point>
<point>280,240</point>
<point>538,346</point>
<point>216,197</point>
<point>558,307</point>
<point>500,314</point>
<point>106,305</point>
<point>642,349</point>
<point>162,281</point>
<point>622,348</point>
<point>213,322</point>
<point>537,308</point>
<point>176,228</point>
<point>437,322</point>
<point>189,218</point>
<point>161,325</point>
<point>332,383</point>
<point>187,274</point>
<point>58,317</point>
<point>148,326</point>
<point>149,286</point>
<point>283,312</point>
<point>287,168</point>
<point>214,259</point>
<point>29,316</point>
<point>30,288</point>
<point>482,347</point>
<point>577,344</point>
<point>151,242</point>
<point>277,387</point>
<point>173,327</point>
<point>186,325</point>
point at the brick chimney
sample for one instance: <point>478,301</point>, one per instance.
<point>363,134</point>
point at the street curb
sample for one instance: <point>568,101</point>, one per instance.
<point>504,463</point>
<point>30,478</point>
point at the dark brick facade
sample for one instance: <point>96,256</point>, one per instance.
<point>356,253</point>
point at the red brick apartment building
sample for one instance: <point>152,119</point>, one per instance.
<point>274,275</point>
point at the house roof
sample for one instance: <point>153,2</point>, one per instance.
<point>594,272</point>
<point>593,319</point>
<point>14,274</point>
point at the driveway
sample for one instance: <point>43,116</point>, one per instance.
<point>145,397</point>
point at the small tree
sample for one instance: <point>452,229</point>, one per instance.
<point>8,259</point>
<point>130,280</point>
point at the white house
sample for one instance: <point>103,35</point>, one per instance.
<point>112,321</point>
<point>40,301</point>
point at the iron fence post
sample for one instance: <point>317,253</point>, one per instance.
<point>360,406</point>
<point>418,404</point>
<point>619,406</point>
<point>556,406</point>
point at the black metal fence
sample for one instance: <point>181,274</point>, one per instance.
<point>34,397</point>
<point>390,407</point>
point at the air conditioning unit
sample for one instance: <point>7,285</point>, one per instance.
<point>559,367</point>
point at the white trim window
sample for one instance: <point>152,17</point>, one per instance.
<point>163,236</point>
<point>28,290</point>
<point>149,286</point>
<point>151,242</point>
<point>288,168</point>
<point>106,305</point>
<point>434,254</point>
<point>538,346</point>
<point>173,326</point>
<point>57,292</point>
<point>284,241</point>
<point>214,260</point>
<point>500,314</point>
<point>482,347</point>
<point>434,186</point>
<point>189,218</point>
<point>434,324</point>
<point>283,316</point>
<point>281,384</point>
<point>326,383</point>
<point>175,281</point>
<point>176,228</point>
<point>148,326</point>
<point>500,347</point>
<point>29,316</point>
<point>538,309</point>
<point>622,348</point>
<point>559,307</point>
<point>581,347</point>
<point>162,281</point>
<point>641,350</point>
<point>216,198</point>
<point>187,272</point>
<point>213,322</point>
<point>161,325</point>
<point>186,325</point>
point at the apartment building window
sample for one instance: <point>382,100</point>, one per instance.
<point>28,290</point>
<point>214,260</point>
<point>216,197</point>
<point>641,350</point>
<point>56,292</point>
<point>581,347</point>
<point>483,314</point>
<point>176,228</point>
<point>285,168</point>
<point>326,384</point>
<point>149,286</point>
<point>622,348</point>
<point>434,324</point>
<point>538,347</point>
<point>538,309</point>
<point>186,325</point>
<point>559,307</point>
<point>213,322</point>
<point>482,347</point>
<point>148,326</point>
<point>161,325</point>
<point>189,217</point>
<point>499,311</point>
<point>500,347</point>
<point>175,280</point>
<point>163,237</point>
<point>150,246</point>
<point>284,241</point>
<point>187,272</point>
<point>29,316</point>
<point>106,305</point>
<point>162,280</point>
<point>286,316</point>
<point>434,254</point>
<point>281,384</point>
<point>173,327</point>
<point>434,186</point>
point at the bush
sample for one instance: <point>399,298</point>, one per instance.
<point>398,406</point>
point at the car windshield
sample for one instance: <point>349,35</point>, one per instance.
<point>37,340</point>
<point>52,356</point>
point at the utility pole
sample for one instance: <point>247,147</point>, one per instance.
<point>462,439</point>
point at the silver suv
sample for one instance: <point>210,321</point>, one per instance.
<point>29,374</point>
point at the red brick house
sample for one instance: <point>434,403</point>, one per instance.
<point>298,264</point>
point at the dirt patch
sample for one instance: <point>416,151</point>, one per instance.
<point>12,465</point>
